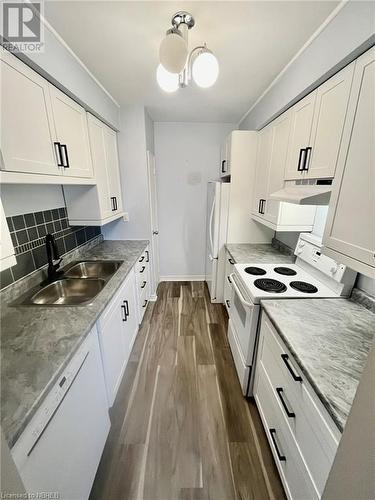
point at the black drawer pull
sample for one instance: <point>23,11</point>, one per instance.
<point>228,303</point>
<point>126,303</point>
<point>231,261</point>
<point>124,318</point>
<point>285,358</point>
<point>280,391</point>
<point>148,256</point>
<point>223,166</point>
<point>145,304</point>
<point>143,284</point>
<point>228,278</point>
<point>143,268</point>
<point>142,258</point>
<point>281,457</point>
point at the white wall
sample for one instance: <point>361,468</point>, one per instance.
<point>341,41</point>
<point>187,157</point>
<point>132,147</point>
<point>24,199</point>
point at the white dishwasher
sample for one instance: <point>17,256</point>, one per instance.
<point>60,449</point>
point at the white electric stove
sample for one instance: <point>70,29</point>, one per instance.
<point>313,275</point>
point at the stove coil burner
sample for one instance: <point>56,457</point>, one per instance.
<point>304,287</point>
<point>285,271</point>
<point>256,271</point>
<point>270,285</point>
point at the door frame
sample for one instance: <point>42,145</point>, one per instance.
<point>154,224</point>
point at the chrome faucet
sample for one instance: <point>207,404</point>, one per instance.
<point>52,254</point>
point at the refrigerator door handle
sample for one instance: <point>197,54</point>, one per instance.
<point>210,227</point>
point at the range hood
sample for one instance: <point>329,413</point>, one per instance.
<point>304,194</point>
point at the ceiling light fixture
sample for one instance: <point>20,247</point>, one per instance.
<point>177,65</point>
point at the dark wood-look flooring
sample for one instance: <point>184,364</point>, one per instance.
<point>181,429</point>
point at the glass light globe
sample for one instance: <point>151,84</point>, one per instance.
<point>173,53</point>
<point>205,69</point>
<point>167,81</point>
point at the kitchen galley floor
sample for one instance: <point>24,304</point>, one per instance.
<point>181,428</point>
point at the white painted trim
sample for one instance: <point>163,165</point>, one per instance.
<point>316,33</point>
<point>187,277</point>
<point>80,62</point>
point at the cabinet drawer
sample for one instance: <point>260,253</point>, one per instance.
<point>294,475</point>
<point>311,426</point>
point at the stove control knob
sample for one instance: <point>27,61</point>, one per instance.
<point>334,268</point>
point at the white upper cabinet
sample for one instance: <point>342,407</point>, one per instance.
<point>301,123</point>
<point>225,156</point>
<point>316,129</point>
<point>7,256</point>
<point>71,134</point>
<point>100,204</point>
<point>27,127</point>
<point>330,111</point>
<point>43,131</point>
<point>271,158</point>
<point>349,235</point>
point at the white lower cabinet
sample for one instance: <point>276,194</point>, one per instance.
<point>118,326</point>
<point>229,263</point>
<point>142,279</point>
<point>302,435</point>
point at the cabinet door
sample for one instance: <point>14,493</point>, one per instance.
<point>7,257</point>
<point>130,301</point>
<point>27,131</point>
<point>350,229</point>
<point>113,168</point>
<point>301,123</point>
<point>229,263</point>
<point>330,110</point>
<point>228,153</point>
<point>99,160</point>
<point>71,131</point>
<point>262,169</point>
<point>279,148</point>
<point>114,352</point>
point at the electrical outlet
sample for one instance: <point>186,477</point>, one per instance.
<point>126,216</point>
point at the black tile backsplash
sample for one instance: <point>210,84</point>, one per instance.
<point>28,233</point>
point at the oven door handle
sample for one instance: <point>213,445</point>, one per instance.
<point>239,293</point>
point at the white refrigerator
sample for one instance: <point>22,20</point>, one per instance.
<point>216,232</point>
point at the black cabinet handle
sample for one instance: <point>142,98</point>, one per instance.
<point>259,206</point>
<point>280,391</point>
<point>263,202</point>
<point>142,258</point>
<point>148,256</point>
<point>126,303</point>
<point>223,166</point>
<point>143,268</point>
<point>145,304</point>
<point>228,278</point>
<point>301,159</point>
<point>281,457</point>
<point>113,203</point>
<point>58,154</point>
<point>116,207</point>
<point>144,284</point>
<point>228,303</point>
<point>124,318</point>
<point>231,261</point>
<point>306,163</point>
<point>285,358</point>
<point>65,150</point>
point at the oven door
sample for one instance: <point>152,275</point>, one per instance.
<point>244,316</point>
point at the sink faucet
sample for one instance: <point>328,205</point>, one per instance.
<point>52,254</point>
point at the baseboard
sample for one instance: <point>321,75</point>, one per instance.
<point>191,277</point>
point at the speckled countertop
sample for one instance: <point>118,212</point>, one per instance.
<point>247,253</point>
<point>38,342</point>
<point>330,340</point>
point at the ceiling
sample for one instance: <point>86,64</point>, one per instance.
<point>253,40</point>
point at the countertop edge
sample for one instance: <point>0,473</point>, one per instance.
<point>314,386</point>
<point>11,440</point>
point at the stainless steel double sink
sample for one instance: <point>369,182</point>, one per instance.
<point>79,285</point>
